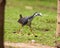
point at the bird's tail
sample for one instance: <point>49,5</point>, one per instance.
<point>20,15</point>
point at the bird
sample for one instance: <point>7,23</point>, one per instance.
<point>28,19</point>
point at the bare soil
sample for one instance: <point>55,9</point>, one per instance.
<point>25,45</point>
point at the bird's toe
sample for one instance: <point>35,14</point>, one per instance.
<point>36,36</point>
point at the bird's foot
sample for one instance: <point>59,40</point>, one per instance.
<point>36,36</point>
<point>28,33</point>
<point>14,32</point>
<point>17,32</point>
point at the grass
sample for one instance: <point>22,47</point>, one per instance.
<point>44,27</point>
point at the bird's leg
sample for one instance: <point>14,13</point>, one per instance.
<point>31,28</point>
<point>20,29</point>
<point>32,32</point>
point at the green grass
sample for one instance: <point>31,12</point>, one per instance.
<point>39,25</point>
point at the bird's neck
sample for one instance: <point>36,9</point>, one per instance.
<point>33,15</point>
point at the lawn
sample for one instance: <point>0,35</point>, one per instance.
<point>44,27</point>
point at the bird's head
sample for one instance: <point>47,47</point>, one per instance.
<point>37,14</point>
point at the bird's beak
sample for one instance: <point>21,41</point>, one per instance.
<point>40,14</point>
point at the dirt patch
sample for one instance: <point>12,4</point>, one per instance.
<point>29,7</point>
<point>25,45</point>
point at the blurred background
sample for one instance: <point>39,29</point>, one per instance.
<point>44,27</point>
